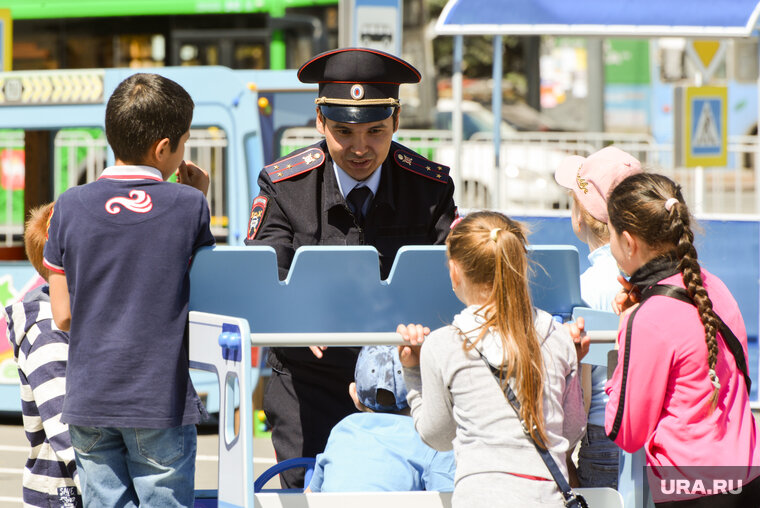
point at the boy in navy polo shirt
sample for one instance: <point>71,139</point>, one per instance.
<point>119,252</point>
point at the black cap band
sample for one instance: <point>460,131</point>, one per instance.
<point>354,114</point>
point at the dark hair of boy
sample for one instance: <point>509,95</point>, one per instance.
<point>143,109</point>
<point>35,236</point>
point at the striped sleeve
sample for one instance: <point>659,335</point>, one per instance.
<point>42,358</point>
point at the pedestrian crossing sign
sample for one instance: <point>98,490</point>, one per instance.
<point>705,126</point>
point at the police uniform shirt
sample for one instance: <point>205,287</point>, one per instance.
<point>300,203</point>
<point>346,184</point>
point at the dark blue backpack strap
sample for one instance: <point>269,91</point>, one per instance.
<point>572,499</point>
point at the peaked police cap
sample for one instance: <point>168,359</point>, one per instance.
<point>357,85</point>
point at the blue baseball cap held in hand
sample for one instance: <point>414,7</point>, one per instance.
<point>379,368</point>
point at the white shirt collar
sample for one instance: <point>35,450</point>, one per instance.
<point>128,172</point>
<point>346,184</point>
<point>600,254</point>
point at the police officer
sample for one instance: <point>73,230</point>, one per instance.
<point>356,187</point>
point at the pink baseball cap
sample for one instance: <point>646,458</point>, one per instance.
<point>592,178</point>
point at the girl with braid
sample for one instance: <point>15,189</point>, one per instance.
<point>680,388</point>
<point>457,401</point>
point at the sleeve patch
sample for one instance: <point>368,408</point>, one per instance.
<point>295,164</point>
<point>417,164</point>
<point>258,208</point>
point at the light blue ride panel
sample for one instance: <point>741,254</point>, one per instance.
<point>598,320</point>
<point>555,279</point>
<point>328,290</point>
<point>338,289</point>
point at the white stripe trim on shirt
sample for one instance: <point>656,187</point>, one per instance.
<point>130,172</point>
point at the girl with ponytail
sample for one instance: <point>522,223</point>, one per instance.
<point>455,399</point>
<point>680,388</point>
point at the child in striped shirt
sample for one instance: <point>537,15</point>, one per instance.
<point>41,350</point>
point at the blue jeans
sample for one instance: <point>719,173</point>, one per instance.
<point>129,467</point>
<point>598,459</point>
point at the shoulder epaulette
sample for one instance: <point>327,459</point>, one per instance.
<point>416,163</point>
<point>295,164</point>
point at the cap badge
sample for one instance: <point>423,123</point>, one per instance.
<point>582,183</point>
<point>357,92</point>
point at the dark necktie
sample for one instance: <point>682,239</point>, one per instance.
<point>356,199</point>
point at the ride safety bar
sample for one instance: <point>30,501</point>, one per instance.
<point>369,338</point>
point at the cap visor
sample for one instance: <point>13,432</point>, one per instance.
<point>352,114</point>
<point>568,170</point>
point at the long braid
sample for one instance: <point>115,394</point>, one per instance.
<point>692,278</point>
<point>652,207</point>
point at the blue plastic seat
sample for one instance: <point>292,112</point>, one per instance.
<point>305,462</point>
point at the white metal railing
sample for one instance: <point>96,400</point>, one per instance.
<point>528,161</point>
<point>526,179</point>
<point>80,155</point>
<point>207,148</point>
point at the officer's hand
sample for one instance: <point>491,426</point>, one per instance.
<point>626,298</point>
<point>317,350</point>
<point>414,335</point>
<point>192,175</point>
<point>577,332</point>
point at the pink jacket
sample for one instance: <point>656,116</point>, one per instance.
<point>666,405</point>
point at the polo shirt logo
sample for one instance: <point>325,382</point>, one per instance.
<point>140,202</point>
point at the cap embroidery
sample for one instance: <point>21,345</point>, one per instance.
<point>582,183</point>
<point>357,92</point>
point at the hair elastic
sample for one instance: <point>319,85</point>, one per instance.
<point>714,379</point>
<point>495,233</point>
<point>669,203</point>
